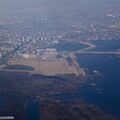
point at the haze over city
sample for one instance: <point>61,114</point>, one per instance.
<point>59,59</point>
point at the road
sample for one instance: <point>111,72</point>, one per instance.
<point>90,46</point>
<point>87,50</point>
<point>96,52</point>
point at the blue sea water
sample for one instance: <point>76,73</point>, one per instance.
<point>106,91</point>
<point>33,110</point>
<point>18,67</point>
<point>68,46</point>
<point>106,45</point>
<point>2,102</point>
<point>102,87</point>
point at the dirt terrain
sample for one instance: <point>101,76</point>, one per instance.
<point>48,67</point>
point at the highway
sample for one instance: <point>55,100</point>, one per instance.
<point>97,52</point>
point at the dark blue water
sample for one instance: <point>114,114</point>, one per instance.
<point>18,67</point>
<point>107,45</point>
<point>2,103</point>
<point>68,47</point>
<point>102,88</point>
<point>33,110</point>
<point>108,85</point>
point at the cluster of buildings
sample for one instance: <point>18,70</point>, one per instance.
<point>12,46</point>
<point>43,54</point>
<point>29,34</point>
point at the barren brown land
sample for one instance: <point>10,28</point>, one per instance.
<point>49,67</point>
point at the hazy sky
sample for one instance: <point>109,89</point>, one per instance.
<point>58,3</point>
